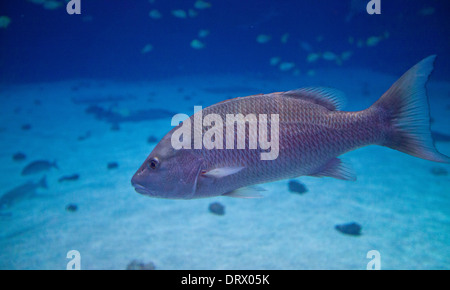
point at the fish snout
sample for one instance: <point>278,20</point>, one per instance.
<point>138,187</point>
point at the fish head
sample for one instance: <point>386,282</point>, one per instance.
<point>168,173</point>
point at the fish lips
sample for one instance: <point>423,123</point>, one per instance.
<point>141,189</point>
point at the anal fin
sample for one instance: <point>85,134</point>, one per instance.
<point>335,168</point>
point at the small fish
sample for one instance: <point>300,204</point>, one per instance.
<point>4,21</point>
<point>230,90</point>
<point>284,38</point>
<point>93,100</point>
<point>311,72</point>
<point>263,38</point>
<point>21,192</point>
<point>19,156</point>
<point>71,207</point>
<point>356,7</point>
<point>306,46</point>
<point>155,14</point>
<point>72,177</point>
<point>192,13</point>
<point>199,4</point>
<point>152,139</point>
<point>197,44</point>
<point>203,33</point>
<point>297,187</point>
<point>217,208</point>
<point>113,117</point>
<point>275,60</point>
<point>38,166</point>
<point>147,48</point>
<point>373,40</point>
<point>51,5</point>
<point>85,136</point>
<point>179,13</point>
<point>346,55</point>
<point>112,165</point>
<point>439,171</point>
<point>313,57</point>
<point>351,229</point>
<point>427,11</point>
<point>313,132</point>
<point>328,55</point>
<point>139,265</point>
<point>285,66</point>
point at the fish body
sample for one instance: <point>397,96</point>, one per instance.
<point>21,192</point>
<point>38,167</point>
<point>19,156</point>
<point>72,177</point>
<point>114,117</point>
<point>313,132</point>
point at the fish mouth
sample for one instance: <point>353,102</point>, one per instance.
<point>141,189</point>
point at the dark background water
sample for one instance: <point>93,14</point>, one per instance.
<point>106,40</point>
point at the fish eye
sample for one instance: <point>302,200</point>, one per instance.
<point>153,163</point>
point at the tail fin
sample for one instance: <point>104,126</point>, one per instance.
<point>406,107</point>
<point>54,164</point>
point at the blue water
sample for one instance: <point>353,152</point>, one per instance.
<point>60,73</point>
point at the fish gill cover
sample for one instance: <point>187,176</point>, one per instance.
<point>87,101</point>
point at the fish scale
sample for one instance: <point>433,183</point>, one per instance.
<point>313,132</point>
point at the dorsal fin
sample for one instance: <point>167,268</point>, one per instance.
<point>331,99</point>
<point>227,100</point>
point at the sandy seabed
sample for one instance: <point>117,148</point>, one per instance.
<point>403,208</point>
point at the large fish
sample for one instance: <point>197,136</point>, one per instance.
<point>313,132</point>
<point>38,167</point>
<point>24,191</point>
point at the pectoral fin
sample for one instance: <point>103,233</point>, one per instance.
<point>222,172</point>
